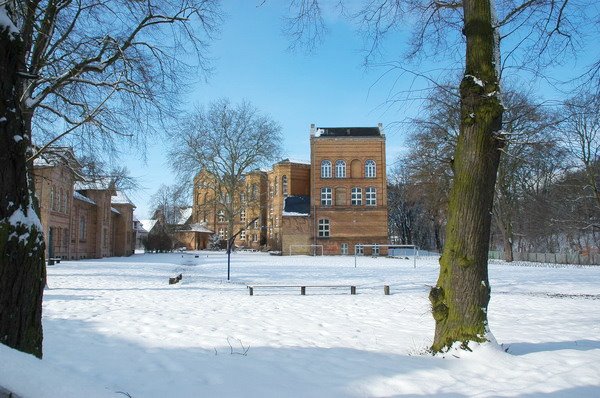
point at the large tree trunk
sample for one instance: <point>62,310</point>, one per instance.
<point>22,271</point>
<point>461,296</point>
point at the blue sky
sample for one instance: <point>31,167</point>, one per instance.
<point>328,87</point>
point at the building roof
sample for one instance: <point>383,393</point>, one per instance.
<point>98,184</point>
<point>184,215</point>
<point>83,198</point>
<point>296,206</point>
<point>120,198</point>
<point>197,227</point>
<point>147,225</point>
<point>115,210</point>
<point>54,156</point>
<point>347,132</point>
<point>295,161</point>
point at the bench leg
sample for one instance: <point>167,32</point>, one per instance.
<point>352,289</point>
<point>386,290</point>
<point>303,290</point>
<point>251,290</point>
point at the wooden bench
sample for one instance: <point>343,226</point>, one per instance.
<point>53,260</point>
<point>302,287</point>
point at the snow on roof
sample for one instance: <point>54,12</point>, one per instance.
<point>99,184</point>
<point>295,161</point>
<point>147,225</point>
<point>120,198</point>
<point>185,215</point>
<point>348,131</point>
<point>83,198</point>
<point>115,210</point>
<point>54,156</point>
<point>198,227</point>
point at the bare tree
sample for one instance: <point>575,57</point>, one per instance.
<point>225,142</point>
<point>94,71</point>
<point>94,67</point>
<point>169,200</point>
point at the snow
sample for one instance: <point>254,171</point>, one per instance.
<point>28,218</point>
<point>477,81</point>
<point>6,22</point>
<point>294,214</point>
<point>83,198</point>
<point>117,325</point>
<point>115,210</point>
<point>147,225</point>
<point>121,198</point>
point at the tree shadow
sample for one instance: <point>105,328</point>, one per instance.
<point>529,348</point>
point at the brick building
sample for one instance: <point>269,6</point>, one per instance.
<point>80,219</point>
<point>336,201</point>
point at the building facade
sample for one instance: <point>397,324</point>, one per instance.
<point>80,219</point>
<point>334,203</point>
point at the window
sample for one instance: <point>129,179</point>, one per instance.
<point>323,228</point>
<point>344,248</point>
<point>59,200</point>
<point>284,186</point>
<point>254,192</point>
<point>276,188</point>
<point>243,235</point>
<point>356,197</point>
<point>221,233</point>
<point>326,169</point>
<point>370,169</point>
<point>359,249</point>
<point>371,196</point>
<point>243,215</point>
<point>52,201</point>
<point>255,238</point>
<point>256,224</point>
<point>221,215</point>
<point>375,251</point>
<point>340,169</point>
<point>82,228</point>
<point>277,221</point>
<point>325,196</point>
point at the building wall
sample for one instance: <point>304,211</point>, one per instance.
<point>75,228</point>
<point>298,184</point>
<point>123,234</point>
<point>296,231</point>
<point>351,224</point>
<point>54,190</point>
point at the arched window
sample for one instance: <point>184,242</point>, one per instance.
<point>370,169</point>
<point>326,169</point>
<point>340,169</point>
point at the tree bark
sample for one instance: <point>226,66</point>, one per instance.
<point>22,270</point>
<point>461,296</point>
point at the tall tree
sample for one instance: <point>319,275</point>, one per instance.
<point>461,295</point>
<point>225,141</point>
<point>22,272</point>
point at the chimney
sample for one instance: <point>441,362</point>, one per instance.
<point>380,127</point>
<point>312,130</point>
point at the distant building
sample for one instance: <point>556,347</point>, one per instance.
<point>337,201</point>
<point>81,219</point>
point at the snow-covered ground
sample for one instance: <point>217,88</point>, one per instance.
<point>115,327</point>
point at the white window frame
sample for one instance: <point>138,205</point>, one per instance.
<point>326,196</point>
<point>326,168</point>
<point>359,250</point>
<point>324,228</point>
<point>340,169</point>
<point>371,196</point>
<point>243,235</point>
<point>370,169</point>
<point>375,250</point>
<point>221,216</point>
<point>356,196</point>
<point>221,233</point>
<point>344,249</point>
<point>243,215</point>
